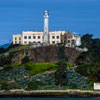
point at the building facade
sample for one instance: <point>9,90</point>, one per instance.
<point>37,37</point>
<point>70,39</point>
<point>46,36</point>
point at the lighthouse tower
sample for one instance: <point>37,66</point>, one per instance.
<point>46,28</point>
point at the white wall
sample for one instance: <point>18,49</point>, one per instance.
<point>78,40</point>
<point>96,86</point>
<point>31,34</point>
<point>17,39</point>
<point>55,34</point>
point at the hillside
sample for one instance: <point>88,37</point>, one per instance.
<point>19,78</point>
<point>37,55</point>
<point>34,68</point>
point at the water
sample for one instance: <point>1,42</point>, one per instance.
<point>49,98</point>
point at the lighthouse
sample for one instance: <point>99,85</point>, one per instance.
<point>46,28</point>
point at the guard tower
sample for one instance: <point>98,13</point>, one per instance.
<point>46,28</point>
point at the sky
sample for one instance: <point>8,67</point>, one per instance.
<point>78,16</point>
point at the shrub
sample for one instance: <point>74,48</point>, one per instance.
<point>4,85</point>
<point>25,59</point>
<point>86,69</point>
<point>8,67</point>
<point>29,65</point>
<point>34,85</point>
<point>2,50</point>
<point>60,74</point>
<point>43,67</point>
<point>15,65</point>
<point>37,68</point>
<point>69,64</point>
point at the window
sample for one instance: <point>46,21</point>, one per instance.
<point>34,42</point>
<point>25,42</point>
<point>15,38</point>
<point>68,41</point>
<point>29,42</point>
<point>29,37</point>
<point>53,42</point>
<point>38,37</point>
<point>15,42</point>
<point>19,42</point>
<point>38,41</point>
<point>53,37</point>
<point>57,37</point>
<point>19,38</point>
<point>25,37</point>
<point>34,37</point>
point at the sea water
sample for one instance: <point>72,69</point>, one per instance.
<point>49,98</point>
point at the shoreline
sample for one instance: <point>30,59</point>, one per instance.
<point>50,93</point>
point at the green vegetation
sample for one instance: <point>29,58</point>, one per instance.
<point>93,46</point>
<point>33,76</point>
<point>8,67</point>
<point>25,59</point>
<point>89,62</point>
<point>34,85</point>
<point>13,48</point>
<point>37,68</point>
<point>69,65</point>
<point>40,68</point>
<point>60,74</point>
<point>2,50</point>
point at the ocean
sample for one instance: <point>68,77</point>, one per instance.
<point>49,98</point>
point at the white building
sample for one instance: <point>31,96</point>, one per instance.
<point>46,36</point>
<point>36,36</point>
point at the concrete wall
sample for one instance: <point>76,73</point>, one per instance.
<point>17,39</point>
<point>54,37</point>
<point>30,37</point>
<point>96,86</point>
<point>55,34</point>
<point>31,34</point>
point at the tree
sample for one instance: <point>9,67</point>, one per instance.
<point>93,46</point>
<point>97,69</point>
<point>87,40</point>
<point>34,85</point>
<point>83,58</point>
<point>2,50</point>
<point>25,59</point>
<point>60,74</point>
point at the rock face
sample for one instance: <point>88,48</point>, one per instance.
<point>44,54</point>
<point>4,60</point>
<point>72,54</point>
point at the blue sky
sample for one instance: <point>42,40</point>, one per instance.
<point>80,16</point>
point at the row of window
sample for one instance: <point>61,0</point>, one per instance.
<point>53,37</point>
<point>17,38</point>
<point>34,37</point>
<point>29,37</point>
<point>53,42</point>
<point>17,42</point>
<point>31,42</point>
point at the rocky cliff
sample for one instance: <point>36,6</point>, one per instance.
<point>37,55</point>
<point>44,54</point>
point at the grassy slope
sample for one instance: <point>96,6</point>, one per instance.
<point>37,68</point>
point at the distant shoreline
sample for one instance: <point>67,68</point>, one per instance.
<point>50,93</point>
